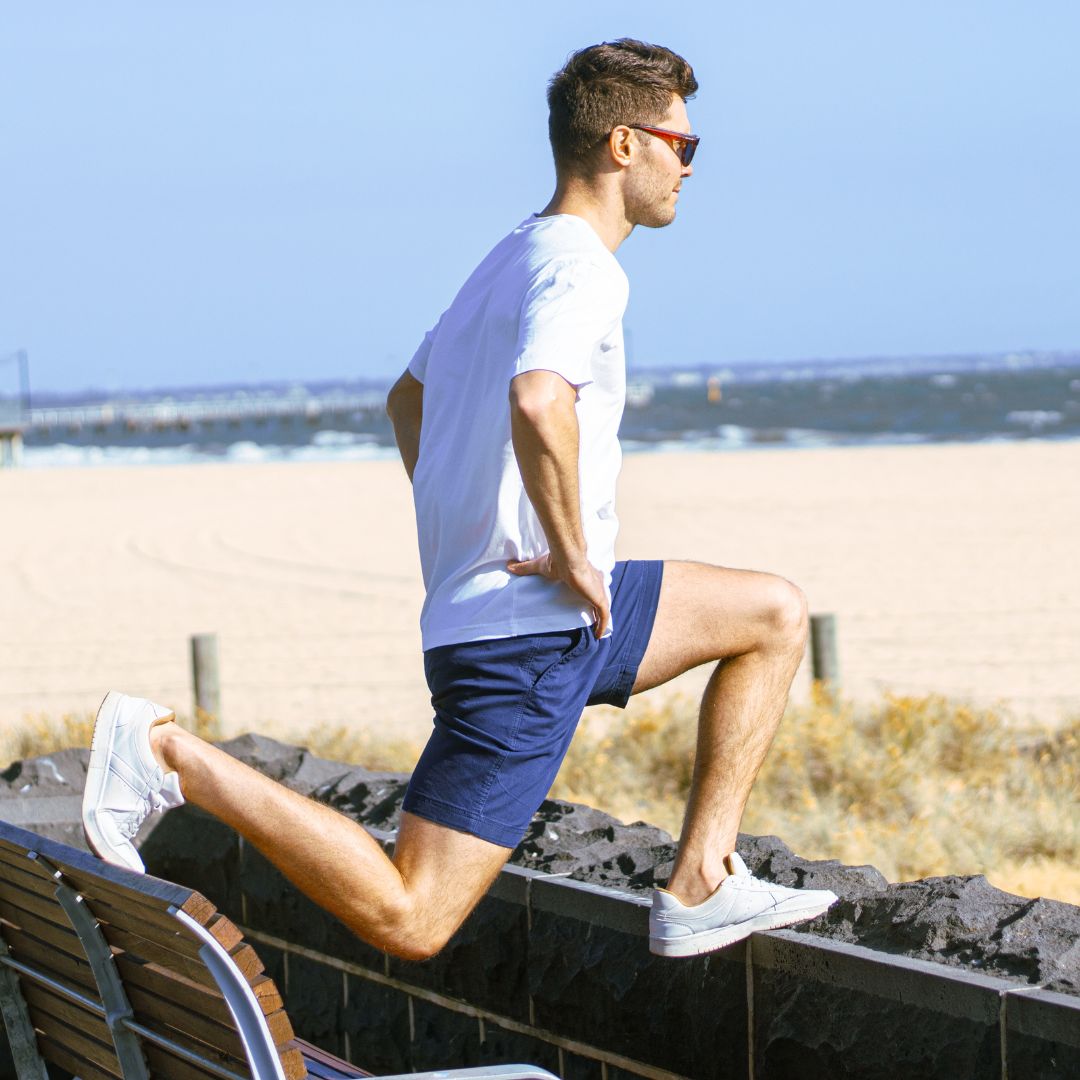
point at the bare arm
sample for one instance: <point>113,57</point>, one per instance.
<point>544,428</point>
<point>405,407</point>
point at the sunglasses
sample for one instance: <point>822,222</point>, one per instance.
<point>684,145</point>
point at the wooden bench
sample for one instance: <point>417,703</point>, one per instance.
<point>106,974</point>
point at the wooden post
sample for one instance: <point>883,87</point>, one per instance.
<point>823,655</point>
<point>206,677</point>
<point>11,442</point>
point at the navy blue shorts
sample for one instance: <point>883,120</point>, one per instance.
<point>506,710</point>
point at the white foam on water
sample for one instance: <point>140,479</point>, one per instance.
<point>66,456</point>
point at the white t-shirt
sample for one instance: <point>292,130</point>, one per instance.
<point>549,296</point>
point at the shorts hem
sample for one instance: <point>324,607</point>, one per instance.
<point>453,817</point>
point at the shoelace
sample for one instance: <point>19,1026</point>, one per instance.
<point>128,825</point>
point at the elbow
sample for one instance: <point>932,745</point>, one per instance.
<point>537,401</point>
<point>405,397</point>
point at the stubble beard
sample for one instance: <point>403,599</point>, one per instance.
<point>653,207</point>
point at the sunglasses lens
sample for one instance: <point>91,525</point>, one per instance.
<point>688,153</point>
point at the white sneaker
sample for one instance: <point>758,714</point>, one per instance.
<point>124,782</point>
<point>739,906</point>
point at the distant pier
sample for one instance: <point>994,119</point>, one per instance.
<point>177,415</point>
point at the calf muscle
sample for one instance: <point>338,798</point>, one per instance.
<point>754,626</point>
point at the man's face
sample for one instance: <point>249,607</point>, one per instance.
<point>655,176</point>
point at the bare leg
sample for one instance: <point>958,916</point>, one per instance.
<point>408,906</point>
<point>755,625</point>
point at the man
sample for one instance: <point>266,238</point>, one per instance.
<point>507,421</point>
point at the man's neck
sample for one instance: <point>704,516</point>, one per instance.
<point>605,214</point>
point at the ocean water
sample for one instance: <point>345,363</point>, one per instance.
<point>833,405</point>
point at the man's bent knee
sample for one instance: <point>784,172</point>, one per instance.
<point>786,613</point>
<point>410,930</point>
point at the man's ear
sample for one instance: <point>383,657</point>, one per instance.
<point>620,142</point>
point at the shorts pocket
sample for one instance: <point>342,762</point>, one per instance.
<point>564,647</point>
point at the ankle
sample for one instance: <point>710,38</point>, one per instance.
<point>691,888</point>
<point>163,744</point>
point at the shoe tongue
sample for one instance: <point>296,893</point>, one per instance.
<point>736,867</point>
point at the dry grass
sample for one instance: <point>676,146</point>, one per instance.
<point>915,785</point>
<point>42,734</point>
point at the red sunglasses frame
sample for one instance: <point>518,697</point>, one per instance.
<point>690,142</point>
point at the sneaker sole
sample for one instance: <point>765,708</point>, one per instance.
<point>710,940</point>
<point>96,774</point>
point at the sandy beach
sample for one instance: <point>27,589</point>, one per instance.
<point>950,568</point>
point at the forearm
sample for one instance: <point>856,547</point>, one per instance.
<point>405,407</point>
<point>544,428</point>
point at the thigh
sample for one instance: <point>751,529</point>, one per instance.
<point>709,613</point>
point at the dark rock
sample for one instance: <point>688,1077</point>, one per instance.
<point>484,963</point>
<point>295,766</point>
<point>314,773</point>
<point>45,794</point>
<point>1042,1035</point>
<point>832,1028</point>
<point>61,772</point>
<point>966,922</point>
<point>372,798</point>
<point>376,1019</point>
<point>589,845</point>
<point>501,1047</point>
<point>770,858</point>
<point>270,757</point>
<point>313,1000</point>
<point>441,1035</point>
<point>196,850</point>
<point>579,972</point>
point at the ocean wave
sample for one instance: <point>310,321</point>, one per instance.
<point>66,455</point>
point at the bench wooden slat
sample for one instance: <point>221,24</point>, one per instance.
<point>109,907</point>
<point>65,1059</point>
<point>44,908</point>
<point>266,994</point>
<point>49,925</point>
<point>169,987</point>
<point>39,954</point>
<point>27,875</point>
<point>95,878</point>
<point>324,1066</point>
<point>15,920</point>
<point>85,1046</point>
<point>292,1063</point>
<point>206,1006</point>
<point>206,999</point>
<point>156,1012</point>
<point>216,1029</point>
<point>191,967</point>
<point>75,1016</point>
<point>167,1065</point>
<point>129,930</point>
<point>229,1056</point>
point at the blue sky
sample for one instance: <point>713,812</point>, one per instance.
<point>205,192</point>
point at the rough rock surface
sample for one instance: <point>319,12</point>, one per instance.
<point>962,921</point>
<point>45,794</point>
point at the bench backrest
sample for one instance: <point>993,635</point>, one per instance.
<point>111,974</point>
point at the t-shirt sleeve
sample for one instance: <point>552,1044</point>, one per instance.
<point>418,364</point>
<point>569,309</point>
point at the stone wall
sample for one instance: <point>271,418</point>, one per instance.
<point>944,977</point>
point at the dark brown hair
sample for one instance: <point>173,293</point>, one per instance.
<point>602,86</point>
